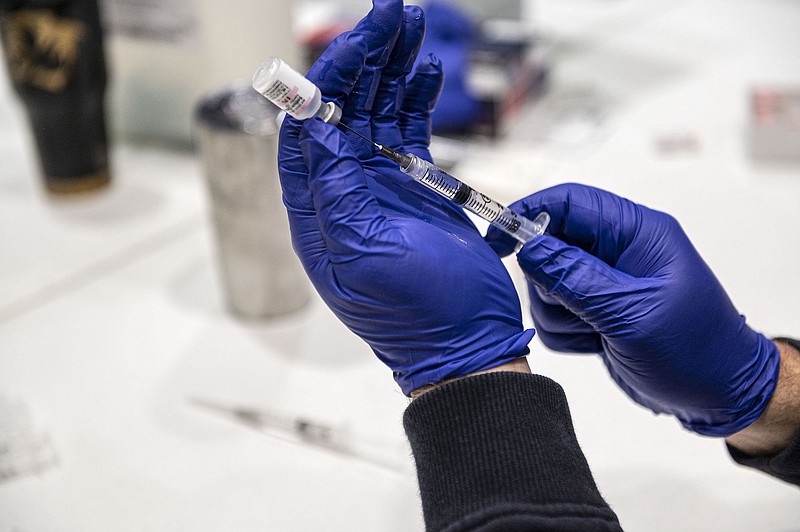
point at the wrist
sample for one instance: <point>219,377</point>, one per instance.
<point>779,424</point>
<point>518,365</point>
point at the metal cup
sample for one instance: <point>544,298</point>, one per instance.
<point>238,139</point>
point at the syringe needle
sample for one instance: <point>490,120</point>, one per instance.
<point>383,149</point>
<point>351,130</point>
<point>400,158</point>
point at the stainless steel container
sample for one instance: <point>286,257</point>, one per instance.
<point>238,140</point>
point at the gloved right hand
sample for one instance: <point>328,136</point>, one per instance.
<point>619,279</point>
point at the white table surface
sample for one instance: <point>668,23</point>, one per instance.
<point>111,314</point>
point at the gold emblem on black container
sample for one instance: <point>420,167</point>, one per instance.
<point>42,49</point>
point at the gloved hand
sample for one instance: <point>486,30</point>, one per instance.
<point>450,35</point>
<point>401,267</point>
<point>622,280</point>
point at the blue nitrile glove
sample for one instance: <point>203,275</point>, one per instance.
<point>401,267</point>
<point>450,34</point>
<point>622,280</point>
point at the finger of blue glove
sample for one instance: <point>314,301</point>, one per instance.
<point>570,343</point>
<point>501,242</point>
<point>560,329</point>
<point>380,29</point>
<point>389,95</point>
<point>594,220</point>
<point>577,280</point>
<point>335,71</point>
<point>349,216</point>
<point>422,93</point>
<point>552,300</point>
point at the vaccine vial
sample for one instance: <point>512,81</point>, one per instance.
<point>292,92</point>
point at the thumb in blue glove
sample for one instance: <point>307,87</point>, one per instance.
<point>623,280</point>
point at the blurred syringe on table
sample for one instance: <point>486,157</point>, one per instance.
<point>306,431</point>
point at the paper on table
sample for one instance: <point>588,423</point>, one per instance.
<point>24,450</point>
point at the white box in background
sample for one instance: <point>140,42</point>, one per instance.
<point>774,133</point>
<point>163,55</point>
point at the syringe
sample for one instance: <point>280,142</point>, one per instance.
<point>338,438</point>
<point>300,98</point>
<point>305,430</point>
<point>463,195</point>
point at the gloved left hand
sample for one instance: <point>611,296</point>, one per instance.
<point>401,267</point>
<point>616,278</point>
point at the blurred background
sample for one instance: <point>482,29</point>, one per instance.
<point>165,365</point>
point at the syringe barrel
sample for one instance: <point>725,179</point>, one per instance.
<point>470,199</point>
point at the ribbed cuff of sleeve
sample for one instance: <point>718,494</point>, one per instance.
<point>498,452</point>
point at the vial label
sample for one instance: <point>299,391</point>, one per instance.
<point>285,97</point>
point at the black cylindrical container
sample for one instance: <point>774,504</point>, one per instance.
<point>55,57</point>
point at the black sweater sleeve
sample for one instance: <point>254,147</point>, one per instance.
<point>784,465</point>
<point>497,452</point>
